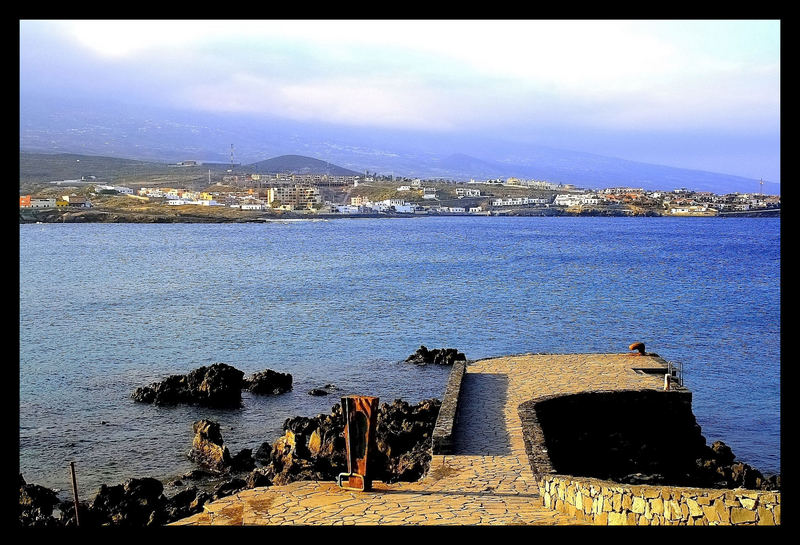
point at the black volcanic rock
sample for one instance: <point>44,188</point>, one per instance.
<point>218,385</point>
<point>315,448</point>
<point>318,392</point>
<point>36,505</point>
<point>437,356</point>
<point>137,502</point>
<point>717,467</point>
<point>268,382</point>
<point>208,449</point>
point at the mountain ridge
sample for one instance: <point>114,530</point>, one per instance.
<point>169,135</point>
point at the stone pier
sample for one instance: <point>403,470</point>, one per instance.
<point>490,464</point>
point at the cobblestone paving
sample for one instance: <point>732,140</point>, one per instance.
<point>486,481</point>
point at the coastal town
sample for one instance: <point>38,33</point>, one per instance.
<point>370,195</point>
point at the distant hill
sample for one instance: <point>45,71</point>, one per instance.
<point>299,164</point>
<point>594,171</point>
<point>43,167</point>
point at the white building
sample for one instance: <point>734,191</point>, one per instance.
<point>429,193</point>
<point>567,200</point>
<point>681,210</point>
<point>77,201</point>
<point>43,203</point>
<point>468,192</point>
<point>348,209</point>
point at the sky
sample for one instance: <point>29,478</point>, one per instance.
<point>701,94</point>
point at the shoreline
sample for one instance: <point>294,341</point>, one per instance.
<point>27,216</point>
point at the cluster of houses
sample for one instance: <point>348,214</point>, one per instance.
<point>683,199</point>
<point>71,201</point>
<point>282,197</point>
<point>677,202</point>
<point>307,197</point>
<point>261,180</point>
<point>361,205</point>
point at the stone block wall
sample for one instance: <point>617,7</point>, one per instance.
<point>608,503</point>
<point>570,453</point>
<point>442,439</point>
<point>630,432</point>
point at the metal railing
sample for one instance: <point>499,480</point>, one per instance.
<point>675,371</point>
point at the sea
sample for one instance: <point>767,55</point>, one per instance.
<point>106,308</point>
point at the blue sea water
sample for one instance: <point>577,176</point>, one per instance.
<point>105,308</point>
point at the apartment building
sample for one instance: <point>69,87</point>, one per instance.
<point>298,197</point>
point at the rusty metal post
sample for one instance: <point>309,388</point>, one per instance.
<point>74,492</point>
<point>360,414</point>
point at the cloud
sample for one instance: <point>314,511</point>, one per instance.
<point>529,78</point>
<point>447,74</point>
<point>384,102</point>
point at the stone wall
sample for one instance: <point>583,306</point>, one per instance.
<point>609,503</point>
<point>442,439</point>
<point>574,441</point>
<point>614,435</point>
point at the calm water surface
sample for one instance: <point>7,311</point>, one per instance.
<point>107,308</point>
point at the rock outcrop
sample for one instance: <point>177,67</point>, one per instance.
<point>218,385</point>
<point>36,504</point>
<point>717,468</point>
<point>315,448</point>
<point>209,450</point>
<point>135,503</point>
<point>437,356</point>
<point>268,382</point>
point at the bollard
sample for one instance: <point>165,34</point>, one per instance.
<point>666,381</point>
<point>360,416</point>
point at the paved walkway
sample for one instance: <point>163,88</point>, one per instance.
<point>486,481</point>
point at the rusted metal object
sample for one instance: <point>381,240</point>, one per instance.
<point>360,413</point>
<point>638,346</point>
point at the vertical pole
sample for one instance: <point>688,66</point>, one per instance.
<point>74,492</point>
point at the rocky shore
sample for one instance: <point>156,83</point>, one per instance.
<point>313,448</point>
<point>310,448</point>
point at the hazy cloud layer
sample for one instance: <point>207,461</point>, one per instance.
<point>597,86</point>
